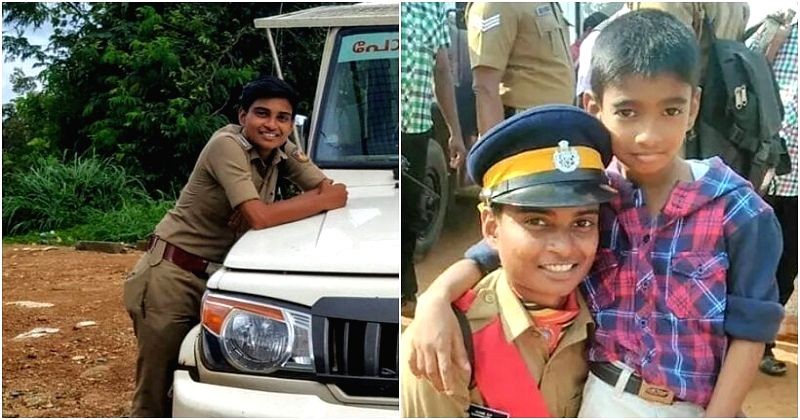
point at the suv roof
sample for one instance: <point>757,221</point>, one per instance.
<point>361,14</point>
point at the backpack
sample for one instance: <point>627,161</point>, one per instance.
<point>740,113</point>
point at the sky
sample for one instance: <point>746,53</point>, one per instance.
<point>35,37</point>
<point>758,10</point>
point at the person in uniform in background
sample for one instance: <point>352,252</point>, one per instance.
<point>542,177</point>
<point>520,58</point>
<point>425,68</point>
<point>232,188</point>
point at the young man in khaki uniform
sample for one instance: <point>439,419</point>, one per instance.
<point>542,180</point>
<point>232,188</point>
<point>519,53</point>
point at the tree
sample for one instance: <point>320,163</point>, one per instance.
<point>143,84</point>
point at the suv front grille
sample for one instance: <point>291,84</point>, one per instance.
<point>356,345</point>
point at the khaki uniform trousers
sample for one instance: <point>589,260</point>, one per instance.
<point>163,301</point>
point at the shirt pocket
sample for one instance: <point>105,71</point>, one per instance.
<point>550,29</point>
<point>696,285</point>
<point>602,279</point>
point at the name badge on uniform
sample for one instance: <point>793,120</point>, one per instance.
<point>478,411</point>
<point>544,10</point>
<point>484,25</point>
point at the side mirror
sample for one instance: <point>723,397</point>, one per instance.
<point>300,123</point>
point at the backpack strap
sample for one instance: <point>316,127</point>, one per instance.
<point>775,44</point>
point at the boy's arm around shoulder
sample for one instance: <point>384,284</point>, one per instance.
<point>419,398</point>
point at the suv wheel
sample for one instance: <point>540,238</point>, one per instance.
<point>434,208</point>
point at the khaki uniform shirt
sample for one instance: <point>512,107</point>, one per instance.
<point>228,172</point>
<point>528,43</point>
<point>560,376</point>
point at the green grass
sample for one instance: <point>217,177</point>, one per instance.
<point>131,223</point>
<point>85,198</point>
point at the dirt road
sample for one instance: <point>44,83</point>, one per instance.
<point>86,372</point>
<point>769,397</point>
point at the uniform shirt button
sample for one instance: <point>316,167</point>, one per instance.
<point>488,298</point>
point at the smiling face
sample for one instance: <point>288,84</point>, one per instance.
<point>267,124</point>
<point>545,253</point>
<point>648,118</point>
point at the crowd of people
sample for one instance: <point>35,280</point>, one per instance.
<point>615,277</point>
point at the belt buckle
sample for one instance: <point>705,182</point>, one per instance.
<point>656,393</point>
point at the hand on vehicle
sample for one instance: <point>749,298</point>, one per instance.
<point>332,196</point>
<point>457,151</point>
<point>437,347</point>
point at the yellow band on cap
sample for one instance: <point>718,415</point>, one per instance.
<point>537,161</point>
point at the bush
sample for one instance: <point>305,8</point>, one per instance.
<point>131,223</point>
<point>57,194</point>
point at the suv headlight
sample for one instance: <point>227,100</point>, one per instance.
<point>257,337</point>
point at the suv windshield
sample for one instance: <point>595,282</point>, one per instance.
<point>359,109</point>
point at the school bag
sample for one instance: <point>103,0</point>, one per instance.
<point>740,113</point>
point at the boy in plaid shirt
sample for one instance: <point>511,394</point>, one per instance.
<point>683,288</point>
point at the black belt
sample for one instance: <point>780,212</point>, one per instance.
<point>609,373</point>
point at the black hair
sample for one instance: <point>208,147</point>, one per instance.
<point>593,20</point>
<point>646,43</point>
<point>268,87</point>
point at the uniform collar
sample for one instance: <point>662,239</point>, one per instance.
<point>252,151</point>
<point>516,319</point>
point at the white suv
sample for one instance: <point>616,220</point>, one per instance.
<point>302,320</point>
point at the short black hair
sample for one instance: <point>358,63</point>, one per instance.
<point>645,43</point>
<point>593,20</point>
<point>268,87</point>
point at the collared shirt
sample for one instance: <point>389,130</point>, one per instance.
<point>228,172</point>
<point>785,67</point>
<point>560,376</point>
<point>424,32</point>
<point>528,43</point>
<point>667,292</point>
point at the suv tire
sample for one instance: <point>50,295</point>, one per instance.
<point>437,178</point>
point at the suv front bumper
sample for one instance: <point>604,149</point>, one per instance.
<point>301,399</point>
<point>195,399</point>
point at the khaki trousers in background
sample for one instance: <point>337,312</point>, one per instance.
<point>163,302</point>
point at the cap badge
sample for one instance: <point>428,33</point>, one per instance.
<point>566,159</point>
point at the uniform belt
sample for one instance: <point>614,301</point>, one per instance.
<point>609,373</point>
<point>185,260</point>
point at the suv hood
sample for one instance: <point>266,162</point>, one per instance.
<point>361,238</point>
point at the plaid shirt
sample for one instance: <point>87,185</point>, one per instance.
<point>666,292</point>
<point>785,67</point>
<point>424,32</point>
